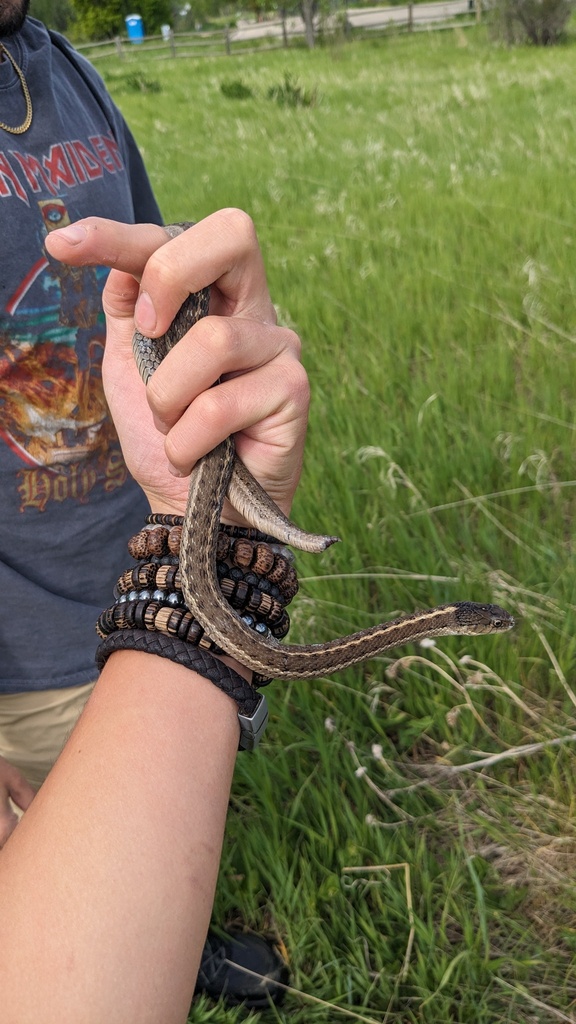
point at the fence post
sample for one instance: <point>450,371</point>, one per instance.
<point>118,45</point>
<point>172,43</point>
<point>478,11</point>
<point>284,32</point>
<point>227,40</point>
<point>410,16</point>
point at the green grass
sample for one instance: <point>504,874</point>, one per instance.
<point>417,224</point>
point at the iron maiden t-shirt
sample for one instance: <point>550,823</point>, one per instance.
<point>67,503</point>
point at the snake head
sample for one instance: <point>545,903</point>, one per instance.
<point>483,618</point>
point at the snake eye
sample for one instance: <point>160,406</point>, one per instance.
<point>497,623</point>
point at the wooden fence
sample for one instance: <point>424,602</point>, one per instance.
<point>275,34</point>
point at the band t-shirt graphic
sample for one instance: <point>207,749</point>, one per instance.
<point>54,414</point>
<point>67,503</point>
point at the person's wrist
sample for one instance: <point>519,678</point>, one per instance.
<point>172,507</point>
<point>159,506</point>
<point>168,506</point>
<point>256,576</point>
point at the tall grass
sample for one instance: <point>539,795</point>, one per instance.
<point>417,223</point>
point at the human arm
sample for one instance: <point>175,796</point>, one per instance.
<point>107,884</point>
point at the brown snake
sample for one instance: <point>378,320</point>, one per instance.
<point>221,473</point>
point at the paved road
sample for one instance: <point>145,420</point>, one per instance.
<point>366,17</point>
<point>372,17</point>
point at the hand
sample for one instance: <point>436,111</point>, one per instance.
<point>263,393</point>
<point>13,786</point>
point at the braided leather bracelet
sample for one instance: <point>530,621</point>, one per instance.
<point>252,707</point>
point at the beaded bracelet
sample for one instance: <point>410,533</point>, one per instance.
<point>263,558</point>
<point>144,611</point>
<point>244,591</point>
<point>255,573</point>
<point>160,581</point>
<point>165,519</point>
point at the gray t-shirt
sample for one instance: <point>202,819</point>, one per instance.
<point>67,503</point>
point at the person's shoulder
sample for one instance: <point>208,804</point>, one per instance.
<point>34,36</point>
<point>59,42</point>
<point>32,29</point>
<point>34,32</point>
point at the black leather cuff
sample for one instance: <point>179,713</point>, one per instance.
<point>252,708</point>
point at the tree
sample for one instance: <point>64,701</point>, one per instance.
<point>56,14</point>
<point>107,18</point>
<point>308,10</point>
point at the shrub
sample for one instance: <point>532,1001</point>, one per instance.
<point>133,81</point>
<point>291,94</point>
<point>236,90</point>
<point>541,22</point>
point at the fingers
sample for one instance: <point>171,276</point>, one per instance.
<point>264,405</point>
<point>221,250</point>
<point>8,821</point>
<point>13,786</point>
<point>19,789</point>
<point>262,398</point>
<point>216,347</point>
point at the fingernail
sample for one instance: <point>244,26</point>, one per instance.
<point>175,472</point>
<point>145,314</point>
<point>73,234</point>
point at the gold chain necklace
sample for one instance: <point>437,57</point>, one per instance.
<point>28,119</point>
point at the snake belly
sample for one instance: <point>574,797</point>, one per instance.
<point>219,474</point>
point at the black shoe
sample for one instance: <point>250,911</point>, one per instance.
<point>220,977</point>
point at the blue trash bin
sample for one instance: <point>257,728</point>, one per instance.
<point>135,27</point>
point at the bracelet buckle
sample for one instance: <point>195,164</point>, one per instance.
<point>252,726</point>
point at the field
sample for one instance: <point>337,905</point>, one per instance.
<point>407,828</point>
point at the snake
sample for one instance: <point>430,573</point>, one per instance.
<point>220,474</point>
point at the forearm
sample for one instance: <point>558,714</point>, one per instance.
<point>106,887</point>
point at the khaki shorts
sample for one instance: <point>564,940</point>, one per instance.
<point>34,727</point>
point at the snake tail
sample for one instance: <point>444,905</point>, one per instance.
<point>254,504</point>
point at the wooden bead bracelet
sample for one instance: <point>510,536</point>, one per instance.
<point>243,590</point>
<point>255,573</point>
<point>158,617</point>
<point>258,557</point>
<point>247,600</point>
